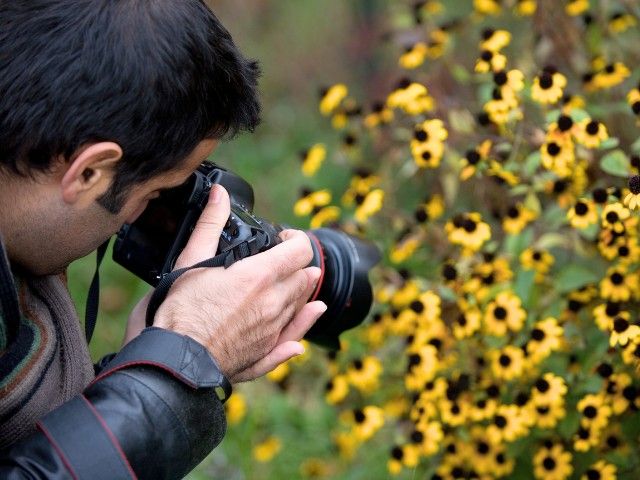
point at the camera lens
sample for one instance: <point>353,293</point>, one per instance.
<point>344,286</point>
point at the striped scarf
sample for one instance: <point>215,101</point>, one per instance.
<point>44,358</point>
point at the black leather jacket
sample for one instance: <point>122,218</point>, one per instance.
<point>152,412</point>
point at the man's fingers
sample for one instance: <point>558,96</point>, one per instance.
<point>280,354</point>
<point>294,253</point>
<point>203,242</point>
<point>302,322</point>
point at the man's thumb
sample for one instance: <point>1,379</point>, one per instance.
<point>203,242</point>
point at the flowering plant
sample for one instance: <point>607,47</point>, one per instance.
<point>502,184</point>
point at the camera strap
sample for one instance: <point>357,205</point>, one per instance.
<point>93,298</point>
<point>224,259</point>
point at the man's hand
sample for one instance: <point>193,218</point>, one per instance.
<point>251,315</point>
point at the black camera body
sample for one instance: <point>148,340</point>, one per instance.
<point>150,246</point>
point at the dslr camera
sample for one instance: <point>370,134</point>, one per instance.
<point>150,246</point>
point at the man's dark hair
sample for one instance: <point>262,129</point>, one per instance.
<point>155,76</point>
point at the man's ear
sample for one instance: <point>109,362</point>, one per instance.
<point>90,172</point>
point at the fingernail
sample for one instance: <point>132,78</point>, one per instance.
<point>216,194</point>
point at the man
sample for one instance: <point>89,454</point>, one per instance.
<point>104,103</point>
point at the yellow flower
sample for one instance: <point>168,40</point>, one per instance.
<point>364,374</point>
<point>413,56</point>
<point>552,462</point>
<point>236,408</point>
<point>507,363</point>
<point>494,40</point>
<point>490,62</point>
<point>504,313</point>
<point>467,323</point>
<point>312,159</point>
<point>279,373</point>
<point>548,87</point>
<point>595,413</point>
<point>413,98</point>
<point>538,260</point>
<point>487,7</point>
<point>404,247</point>
<point>508,425</point>
<point>632,200</point>
<point>323,216</point>
<point>623,330</point>
<point>613,217</point>
<point>604,315</point>
<point>422,367</point>
<point>601,470</point>
<point>265,451</point>
<point>583,214</point>
<point>366,422</point>
<point>548,389</point>
<point>468,230</point>
<point>517,217</point>
<point>315,468</point>
<point>427,145</point>
<point>617,285</point>
<point>380,115</point>
<point>546,337</point>
<point>576,7</point>
<point>620,21</point>
<point>331,98</point>
<point>526,7</point>
<point>427,437</point>
<point>633,98</point>
<point>403,456</point>
<point>336,389</point>
<point>473,158</point>
<point>309,200</point>
<point>610,76</point>
<point>369,205</point>
<point>591,133</point>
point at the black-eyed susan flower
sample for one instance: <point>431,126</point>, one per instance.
<point>468,230</point>
<point>605,313</point>
<point>365,421</point>
<point>509,81</point>
<point>501,175</point>
<point>490,62</point>
<point>454,412</point>
<point>621,21</point>
<point>576,7</point>
<point>368,205</point>
<point>548,86</point>
<point>548,389</point>
<point>364,374</point>
<point>601,470</point>
<point>517,217</point>
<point>507,426</point>
<point>611,75</point>
<point>235,408</point>
<point>623,330</point>
<point>265,451</point>
<point>431,209</point>
<point>504,313</point>
<point>422,366</point>
<point>595,412</point>
<point>347,444</point>
<point>473,159</point>
<point>547,415</point>
<point>427,145</point>
<point>583,214</point>
<point>546,337</point>
<point>507,363</point>
<point>591,133</point>
<point>324,216</point>
<point>411,97</point>
<point>405,246</point>
<point>280,373</point>
<point>613,217</point>
<point>336,389</point>
<point>526,7</point>
<point>427,437</point>
<point>631,353</point>
<point>632,200</point>
<point>413,56</point>
<point>467,323</point>
<point>494,40</point>
<point>552,462</point>
<point>402,456</point>
<point>380,115</point>
<point>309,200</point>
<point>538,260</point>
<point>633,99</point>
<point>617,284</point>
<point>585,439</point>
<point>332,97</point>
<point>615,385</point>
<point>312,159</point>
<point>487,7</point>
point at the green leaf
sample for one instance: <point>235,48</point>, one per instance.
<point>569,424</point>
<point>551,240</point>
<point>635,146</point>
<point>575,276</point>
<point>523,286</point>
<point>577,114</point>
<point>515,244</point>
<point>552,116</point>
<point>611,142</point>
<point>531,163</point>
<point>615,163</point>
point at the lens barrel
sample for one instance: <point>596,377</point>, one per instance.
<point>345,262</point>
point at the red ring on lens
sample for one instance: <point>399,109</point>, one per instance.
<point>314,239</point>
